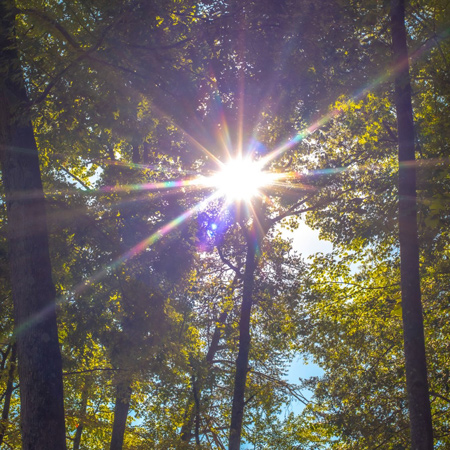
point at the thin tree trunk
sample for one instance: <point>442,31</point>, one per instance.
<point>123,397</point>
<point>77,439</point>
<point>8,393</point>
<point>197,413</point>
<point>186,429</point>
<point>414,342</point>
<point>38,352</point>
<point>82,414</point>
<point>237,409</point>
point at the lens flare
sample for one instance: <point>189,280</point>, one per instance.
<point>240,180</point>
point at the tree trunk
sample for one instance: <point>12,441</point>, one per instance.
<point>197,412</point>
<point>82,414</point>
<point>123,397</point>
<point>186,429</point>
<point>77,439</point>
<point>414,342</point>
<point>38,352</point>
<point>237,409</point>
<point>8,394</point>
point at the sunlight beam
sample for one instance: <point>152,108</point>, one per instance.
<point>134,251</point>
<point>241,179</point>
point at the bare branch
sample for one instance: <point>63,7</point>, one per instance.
<point>95,369</point>
<point>228,263</point>
<point>435,394</point>
<point>85,186</point>
<point>53,22</point>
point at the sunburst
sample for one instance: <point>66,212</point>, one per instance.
<point>241,179</point>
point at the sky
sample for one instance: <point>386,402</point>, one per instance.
<point>307,242</point>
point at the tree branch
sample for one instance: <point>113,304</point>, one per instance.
<point>95,369</point>
<point>85,186</point>
<point>53,22</point>
<point>293,211</point>
<point>435,394</point>
<point>228,263</point>
<point>72,42</point>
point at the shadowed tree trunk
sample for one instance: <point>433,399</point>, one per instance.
<point>414,342</point>
<point>8,394</point>
<point>39,357</point>
<point>140,305</point>
<point>192,409</point>
<point>123,397</point>
<point>237,409</point>
<point>82,413</point>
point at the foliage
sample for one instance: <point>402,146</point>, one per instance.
<point>127,96</point>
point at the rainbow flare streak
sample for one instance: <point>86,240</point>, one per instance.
<point>137,249</point>
<point>201,181</point>
<point>357,96</point>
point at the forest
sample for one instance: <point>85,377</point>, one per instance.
<point>158,158</point>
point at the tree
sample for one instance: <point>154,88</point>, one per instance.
<point>243,89</point>
<point>133,95</point>
<point>369,220</point>
<point>274,319</point>
<point>39,358</point>
<point>7,396</point>
<point>253,240</point>
<point>355,304</point>
<point>413,335</point>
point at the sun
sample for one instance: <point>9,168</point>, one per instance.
<point>240,179</point>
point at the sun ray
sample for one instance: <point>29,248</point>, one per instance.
<point>187,135</point>
<point>200,181</point>
<point>385,76</point>
<point>240,179</point>
<point>191,183</point>
<point>132,252</point>
<point>224,135</point>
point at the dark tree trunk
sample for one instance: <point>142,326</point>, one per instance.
<point>77,439</point>
<point>82,414</point>
<point>123,397</point>
<point>39,357</point>
<point>237,409</point>
<point>8,394</point>
<point>186,429</point>
<point>414,342</point>
<point>197,412</point>
<point>189,417</point>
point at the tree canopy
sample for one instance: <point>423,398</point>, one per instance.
<point>147,303</point>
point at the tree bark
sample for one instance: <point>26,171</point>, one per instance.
<point>237,409</point>
<point>82,414</point>
<point>186,429</point>
<point>123,397</point>
<point>77,439</point>
<point>413,331</point>
<point>38,352</point>
<point>8,393</point>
